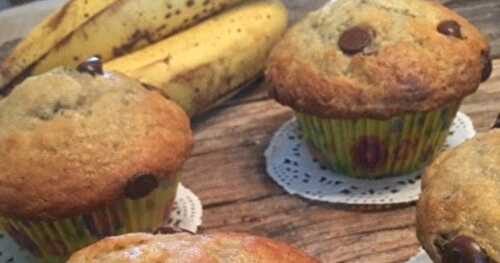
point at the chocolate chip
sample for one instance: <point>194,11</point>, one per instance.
<point>140,186</point>
<point>487,66</point>
<point>497,123</point>
<point>92,66</point>
<point>450,28</point>
<point>464,250</point>
<point>355,39</point>
<point>487,70</point>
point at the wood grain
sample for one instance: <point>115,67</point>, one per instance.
<point>227,170</point>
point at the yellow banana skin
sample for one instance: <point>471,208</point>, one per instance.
<point>202,66</point>
<point>48,34</point>
<point>109,28</point>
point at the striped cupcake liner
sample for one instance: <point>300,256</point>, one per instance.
<point>54,241</point>
<point>371,149</point>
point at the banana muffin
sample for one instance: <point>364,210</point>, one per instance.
<point>84,156</point>
<point>186,248</point>
<point>376,84</point>
<point>458,215</point>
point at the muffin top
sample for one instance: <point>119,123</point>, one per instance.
<point>377,59</point>
<point>186,248</point>
<point>71,142</point>
<point>459,208</point>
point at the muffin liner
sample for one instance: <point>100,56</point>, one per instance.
<point>291,164</point>
<point>370,148</point>
<point>54,241</point>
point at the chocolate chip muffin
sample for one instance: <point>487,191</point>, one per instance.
<point>458,215</point>
<point>186,248</point>
<point>376,84</point>
<point>84,156</point>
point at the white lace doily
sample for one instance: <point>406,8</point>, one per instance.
<point>187,214</point>
<point>291,165</point>
<point>422,257</point>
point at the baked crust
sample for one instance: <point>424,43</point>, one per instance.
<point>461,196</point>
<point>186,248</point>
<point>70,142</point>
<point>409,66</point>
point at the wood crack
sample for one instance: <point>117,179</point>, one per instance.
<point>361,233</point>
<point>232,202</point>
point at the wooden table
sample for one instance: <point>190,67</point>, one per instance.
<point>227,170</point>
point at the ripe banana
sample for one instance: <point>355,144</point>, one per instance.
<point>109,28</point>
<point>207,63</point>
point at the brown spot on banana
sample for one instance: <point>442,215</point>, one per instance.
<point>56,19</point>
<point>7,89</point>
<point>59,45</point>
<point>161,28</point>
<point>137,37</point>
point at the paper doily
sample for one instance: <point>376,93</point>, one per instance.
<point>187,214</point>
<point>422,257</point>
<point>291,165</point>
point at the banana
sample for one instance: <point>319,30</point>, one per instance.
<point>109,28</point>
<point>204,65</point>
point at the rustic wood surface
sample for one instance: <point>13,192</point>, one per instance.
<point>227,170</point>
<point>228,174</point>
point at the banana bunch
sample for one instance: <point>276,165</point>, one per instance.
<point>209,62</point>
<point>143,39</point>
<point>109,28</point>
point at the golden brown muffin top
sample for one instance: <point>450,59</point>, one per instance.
<point>460,202</point>
<point>186,248</point>
<point>377,59</point>
<point>71,142</point>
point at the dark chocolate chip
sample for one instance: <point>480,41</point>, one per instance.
<point>140,186</point>
<point>487,70</point>
<point>497,123</point>
<point>355,40</point>
<point>487,66</point>
<point>92,66</point>
<point>450,28</point>
<point>463,249</point>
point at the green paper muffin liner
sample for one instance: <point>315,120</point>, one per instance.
<point>54,241</point>
<point>371,149</point>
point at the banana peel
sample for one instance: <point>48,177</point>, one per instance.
<point>204,65</point>
<point>108,28</point>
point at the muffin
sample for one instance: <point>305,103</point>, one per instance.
<point>186,248</point>
<point>84,156</point>
<point>376,84</point>
<point>458,215</point>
